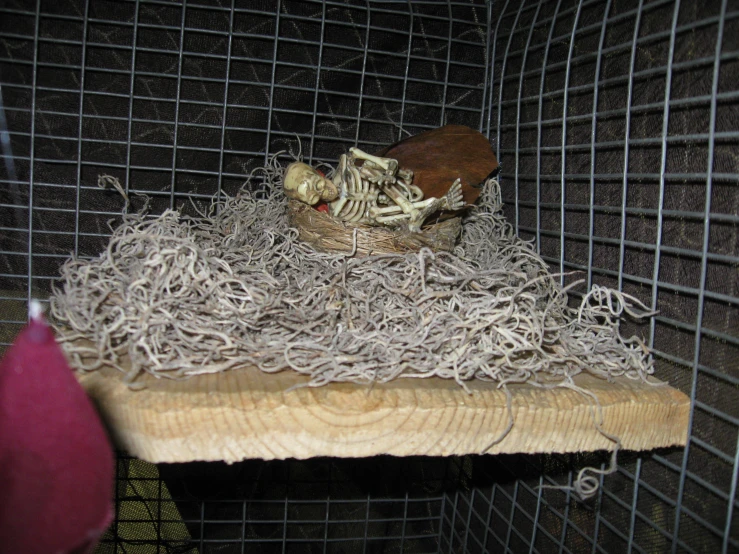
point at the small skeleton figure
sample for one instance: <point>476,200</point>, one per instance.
<point>375,193</point>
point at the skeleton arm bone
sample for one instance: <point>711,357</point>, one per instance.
<point>388,164</point>
<point>393,175</point>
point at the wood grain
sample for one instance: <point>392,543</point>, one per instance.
<point>245,413</point>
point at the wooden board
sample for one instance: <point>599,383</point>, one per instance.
<point>245,413</point>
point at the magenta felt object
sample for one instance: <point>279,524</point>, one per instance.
<point>56,463</point>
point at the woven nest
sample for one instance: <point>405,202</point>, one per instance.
<point>327,234</point>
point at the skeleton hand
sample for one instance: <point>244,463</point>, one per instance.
<point>453,200</point>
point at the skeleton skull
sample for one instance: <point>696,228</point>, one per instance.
<point>304,183</point>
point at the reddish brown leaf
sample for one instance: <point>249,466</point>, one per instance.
<point>440,156</point>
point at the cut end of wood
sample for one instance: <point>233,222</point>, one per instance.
<point>245,413</point>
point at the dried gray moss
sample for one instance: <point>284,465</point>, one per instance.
<point>178,296</point>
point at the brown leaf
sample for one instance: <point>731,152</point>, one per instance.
<point>440,156</point>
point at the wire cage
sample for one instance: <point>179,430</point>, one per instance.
<point>616,124</point>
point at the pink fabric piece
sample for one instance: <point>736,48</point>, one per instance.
<point>56,462</point>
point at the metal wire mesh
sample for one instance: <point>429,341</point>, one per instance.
<point>615,123</point>
<point>619,121</point>
<point>378,504</point>
<point>182,100</point>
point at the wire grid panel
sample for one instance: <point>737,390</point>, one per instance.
<point>182,100</point>
<point>371,505</point>
<point>616,125</point>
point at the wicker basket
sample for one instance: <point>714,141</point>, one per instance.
<point>327,234</point>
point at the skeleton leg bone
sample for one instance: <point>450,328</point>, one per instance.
<point>392,215</point>
<point>404,204</point>
<point>452,200</point>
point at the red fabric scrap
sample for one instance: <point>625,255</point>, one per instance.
<point>56,462</point>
